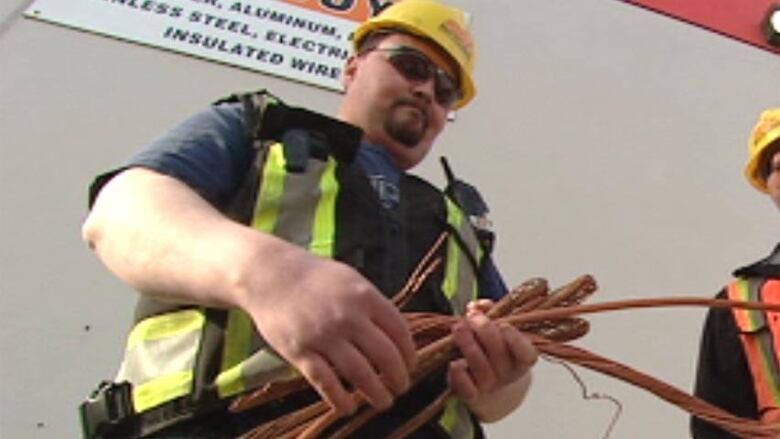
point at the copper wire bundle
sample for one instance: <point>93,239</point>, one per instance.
<point>549,319</point>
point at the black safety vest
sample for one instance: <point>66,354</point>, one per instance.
<point>305,188</point>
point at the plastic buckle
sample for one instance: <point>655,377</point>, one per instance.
<point>108,406</point>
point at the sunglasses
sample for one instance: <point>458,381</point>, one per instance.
<point>416,67</point>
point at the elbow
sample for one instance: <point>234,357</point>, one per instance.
<point>102,213</point>
<point>93,230</point>
<point>90,231</point>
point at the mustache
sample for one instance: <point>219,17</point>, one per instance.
<point>417,103</point>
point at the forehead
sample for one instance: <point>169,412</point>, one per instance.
<point>774,153</point>
<point>430,49</point>
<point>771,149</point>
<point>770,159</point>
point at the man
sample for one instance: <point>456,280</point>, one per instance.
<point>738,361</point>
<point>330,233</point>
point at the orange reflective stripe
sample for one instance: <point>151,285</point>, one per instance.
<point>763,367</point>
<point>748,320</point>
<point>770,293</point>
<point>771,416</point>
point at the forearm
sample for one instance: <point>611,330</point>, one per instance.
<point>160,237</point>
<point>496,405</point>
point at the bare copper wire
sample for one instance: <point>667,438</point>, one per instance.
<point>548,319</point>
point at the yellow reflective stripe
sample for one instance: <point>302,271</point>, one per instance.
<point>160,357</point>
<point>451,270</point>
<point>449,417</point>
<point>267,205</point>
<point>238,341</point>
<point>165,326</point>
<point>460,283</point>
<point>263,367</point>
<point>456,420</point>
<point>160,390</point>
<point>230,381</point>
<point>324,227</point>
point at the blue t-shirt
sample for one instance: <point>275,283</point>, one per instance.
<point>209,153</point>
<point>382,173</point>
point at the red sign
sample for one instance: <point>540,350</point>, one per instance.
<point>739,19</point>
<point>355,10</point>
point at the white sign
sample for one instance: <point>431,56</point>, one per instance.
<point>265,35</point>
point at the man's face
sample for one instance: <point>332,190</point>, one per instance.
<point>773,178</point>
<point>398,113</point>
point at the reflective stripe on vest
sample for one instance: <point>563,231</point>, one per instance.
<point>288,208</point>
<point>456,420</point>
<point>157,380</point>
<point>460,283</point>
<point>760,335</point>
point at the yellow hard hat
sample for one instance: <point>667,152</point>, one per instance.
<point>446,26</point>
<point>765,133</point>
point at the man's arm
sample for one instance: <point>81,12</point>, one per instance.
<point>163,239</point>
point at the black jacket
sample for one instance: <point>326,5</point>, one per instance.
<point>723,376</point>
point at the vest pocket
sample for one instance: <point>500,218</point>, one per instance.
<point>160,357</point>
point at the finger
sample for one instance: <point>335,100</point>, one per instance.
<point>520,347</point>
<point>479,306</point>
<point>352,365</point>
<point>478,364</point>
<point>491,338</point>
<point>321,376</point>
<point>385,357</point>
<point>389,319</point>
<point>460,380</point>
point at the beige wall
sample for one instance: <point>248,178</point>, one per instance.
<point>607,139</point>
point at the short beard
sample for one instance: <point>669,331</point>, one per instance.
<point>401,128</point>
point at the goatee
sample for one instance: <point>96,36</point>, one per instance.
<point>406,123</point>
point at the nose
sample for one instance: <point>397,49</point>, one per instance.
<point>425,90</point>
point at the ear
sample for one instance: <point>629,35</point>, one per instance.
<point>350,70</point>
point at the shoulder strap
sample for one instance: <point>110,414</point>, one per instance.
<point>473,205</point>
<point>269,120</point>
<point>747,289</point>
<point>255,106</point>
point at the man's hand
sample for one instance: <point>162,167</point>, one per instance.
<point>336,328</point>
<point>494,374</point>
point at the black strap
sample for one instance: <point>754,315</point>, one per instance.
<point>108,413</point>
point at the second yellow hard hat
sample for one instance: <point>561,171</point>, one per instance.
<point>765,133</point>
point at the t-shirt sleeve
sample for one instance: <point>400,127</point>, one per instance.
<point>209,151</point>
<point>492,284</point>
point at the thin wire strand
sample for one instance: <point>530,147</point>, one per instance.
<point>589,396</point>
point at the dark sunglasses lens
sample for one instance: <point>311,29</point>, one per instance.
<point>414,67</point>
<point>417,68</point>
<point>446,90</point>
